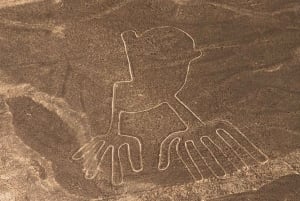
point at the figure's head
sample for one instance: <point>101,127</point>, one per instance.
<point>160,45</point>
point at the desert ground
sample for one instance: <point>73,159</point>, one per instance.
<point>143,100</point>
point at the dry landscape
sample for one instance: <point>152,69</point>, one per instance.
<point>141,100</point>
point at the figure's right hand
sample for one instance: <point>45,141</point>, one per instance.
<point>217,148</point>
<point>93,153</point>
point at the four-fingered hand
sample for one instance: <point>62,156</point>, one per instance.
<point>94,151</point>
<point>216,147</point>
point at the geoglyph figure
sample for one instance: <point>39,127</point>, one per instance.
<point>159,63</point>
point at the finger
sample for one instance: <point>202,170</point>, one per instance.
<point>105,165</point>
<point>124,158</point>
<point>236,146</point>
<point>197,160</point>
<point>230,153</point>
<point>84,150</point>
<point>210,159</point>
<point>90,154</point>
<point>165,151</point>
<point>134,150</point>
<point>114,163</point>
<point>106,161</point>
<point>117,171</point>
<point>218,153</point>
<point>187,160</point>
<point>101,153</point>
<point>243,140</point>
<point>92,162</point>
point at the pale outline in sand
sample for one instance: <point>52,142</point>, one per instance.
<point>115,85</point>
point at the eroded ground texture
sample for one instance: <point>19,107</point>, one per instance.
<point>209,110</point>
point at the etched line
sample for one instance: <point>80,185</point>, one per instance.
<point>115,140</point>
<point>215,159</point>
<point>242,151</point>
<point>254,149</point>
<point>216,150</point>
<point>232,154</point>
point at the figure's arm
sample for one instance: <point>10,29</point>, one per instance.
<point>184,113</point>
<point>115,118</point>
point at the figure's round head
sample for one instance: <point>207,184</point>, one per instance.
<point>160,44</point>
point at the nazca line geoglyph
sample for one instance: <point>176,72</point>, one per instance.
<point>99,146</point>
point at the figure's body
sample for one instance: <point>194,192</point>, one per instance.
<point>159,61</point>
<point>157,72</point>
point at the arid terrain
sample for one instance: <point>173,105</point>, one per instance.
<point>145,100</point>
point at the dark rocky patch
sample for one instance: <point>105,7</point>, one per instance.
<point>282,189</point>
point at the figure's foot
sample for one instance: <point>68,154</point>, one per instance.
<point>94,151</point>
<point>217,148</point>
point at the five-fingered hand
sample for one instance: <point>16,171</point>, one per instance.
<point>216,147</point>
<point>94,151</point>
